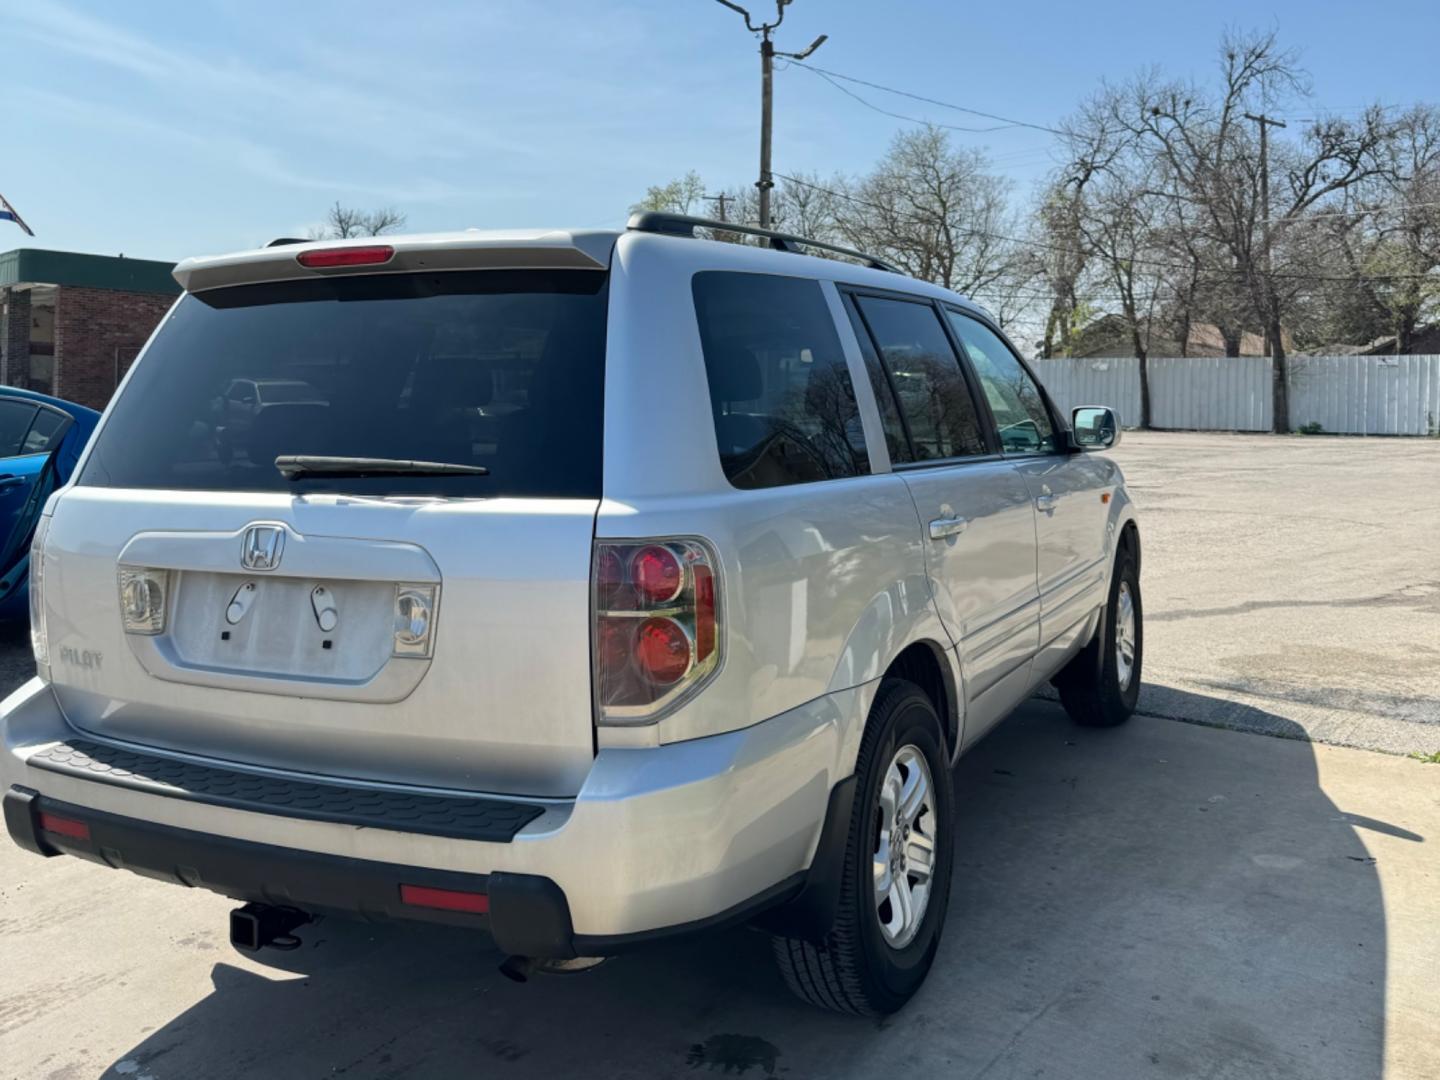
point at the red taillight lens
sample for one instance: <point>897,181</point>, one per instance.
<point>662,651</point>
<point>325,258</point>
<point>64,826</point>
<point>705,614</point>
<point>609,573</point>
<point>657,634</point>
<point>615,643</point>
<point>444,899</point>
<point>657,574</point>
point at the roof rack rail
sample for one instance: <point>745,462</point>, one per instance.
<point>282,241</point>
<point>657,221</point>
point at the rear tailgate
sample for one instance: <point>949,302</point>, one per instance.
<point>503,704</point>
<point>425,628</point>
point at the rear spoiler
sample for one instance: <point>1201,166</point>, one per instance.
<point>471,250</point>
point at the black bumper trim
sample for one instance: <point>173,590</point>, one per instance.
<point>529,914</point>
<point>240,869</point>
<point>462,818</point>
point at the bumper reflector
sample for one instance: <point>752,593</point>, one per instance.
<point>445,899</point>
<point>64,826</point>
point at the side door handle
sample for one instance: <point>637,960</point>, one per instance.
<point>1045,503</point>
<point>945,527</point>
<point>7,482</point>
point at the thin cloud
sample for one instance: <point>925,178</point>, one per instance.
<point>257,159</point>
<point>323,109</point>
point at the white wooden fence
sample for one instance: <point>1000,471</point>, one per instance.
<point>1353,395</point>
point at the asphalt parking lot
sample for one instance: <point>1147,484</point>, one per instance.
<point>1292,585</point>
<point>1162,900</point>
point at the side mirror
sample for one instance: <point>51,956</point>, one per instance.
<point>1094,427</point>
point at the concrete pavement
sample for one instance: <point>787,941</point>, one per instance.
<point>1161,900</point>
<point>1292,584</point>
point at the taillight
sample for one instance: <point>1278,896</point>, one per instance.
<point>39,640</point>
<point>327,258</point>
<point>656,573</point>
<point>657,629</point>
<point>663,653</point>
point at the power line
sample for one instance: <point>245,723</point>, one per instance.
<point>1005,120</point>
<point>901,116</point>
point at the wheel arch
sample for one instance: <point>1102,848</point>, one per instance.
<point>1130,541</point>
<point>925,663</point>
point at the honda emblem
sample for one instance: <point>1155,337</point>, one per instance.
<point>263,547</point>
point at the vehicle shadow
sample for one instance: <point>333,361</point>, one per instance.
<point>1155,900</point>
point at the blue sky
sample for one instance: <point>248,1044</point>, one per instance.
<point>167,130</point>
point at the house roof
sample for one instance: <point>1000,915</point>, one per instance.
<point>1109,335</point>
<point>36,266</point>
<point>1424,342</point>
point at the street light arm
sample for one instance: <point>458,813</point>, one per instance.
<point>810,49</point>
<point>736,7</point>
<point>763,28</point>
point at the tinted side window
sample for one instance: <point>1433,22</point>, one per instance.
<point>780,392</point>
<point>48,423</point>
<point>931,388</point>
<point>896,441</point>
<point>1020,413</point>
<point>15,417</point>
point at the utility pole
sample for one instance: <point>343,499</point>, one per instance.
<point>1280,388</point>
<point>767,65</point>
<point>719,201</point>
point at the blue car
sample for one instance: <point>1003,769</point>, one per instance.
<point>41,439</point>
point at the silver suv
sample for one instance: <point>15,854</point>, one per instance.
<point>583,588</point>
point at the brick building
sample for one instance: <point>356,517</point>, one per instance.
<point>72,324</point>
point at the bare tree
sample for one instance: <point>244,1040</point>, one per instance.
<point>1059,258</point>
<point>935,211</point>
<point>1254,205</point>
<point>1119,221</point>
<point>682,195</point>
<point>344,222</point>
<point>1110,203</point>
<point>1390,239</point>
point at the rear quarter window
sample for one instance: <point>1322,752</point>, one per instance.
<point>780,391</point>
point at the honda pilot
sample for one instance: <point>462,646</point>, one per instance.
<point>582,588</point>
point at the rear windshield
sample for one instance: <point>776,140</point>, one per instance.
<point>502,369</point>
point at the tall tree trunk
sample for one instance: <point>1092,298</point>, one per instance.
<point>1232,340</point>
<point>1143,359</point>
<point>1405,338</point>
<point>1187,314</point>
<point>1279,379</point>
<point>1144,392</point>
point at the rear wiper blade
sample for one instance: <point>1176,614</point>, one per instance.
<point>298,466</point>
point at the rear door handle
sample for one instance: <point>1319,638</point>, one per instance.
<point>10,482</point>
<point>1045,503</point>
<point>944,527</point>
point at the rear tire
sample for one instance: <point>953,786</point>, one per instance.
<point>874,958</point>
<point>1100,687</point>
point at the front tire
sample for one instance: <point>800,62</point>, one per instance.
<point>896,875</point>
<point>1100,687</point>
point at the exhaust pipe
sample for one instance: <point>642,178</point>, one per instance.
<point>520,968</point>
<point>255,926</point>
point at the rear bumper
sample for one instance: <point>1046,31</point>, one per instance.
<point>660,840</point>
